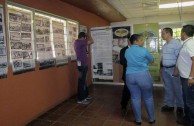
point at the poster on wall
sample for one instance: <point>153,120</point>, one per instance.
<point>102,66</point>
<point>22,55</point>
<point>72,32</point>
<point>59,42</point>
<point>120,40</point>
<point>150,34</point>
<point>3,47</point>
<point>44,47</point>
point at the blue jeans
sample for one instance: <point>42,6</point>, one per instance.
<point>82,92</point>
<point>172,87</point>
<point>188,97</point>
<point>141,85</point>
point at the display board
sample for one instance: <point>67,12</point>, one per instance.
<point>58,38</point>
<point>21,41</point>
<point>3,47</point>
<point>102,65</point>
<point>44,47</point>
<point>72,35</point>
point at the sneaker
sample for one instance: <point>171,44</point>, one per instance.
<point>83,102</point>
<point>167,108</point>
<point>89,98</point>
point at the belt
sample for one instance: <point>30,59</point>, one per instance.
<point>169,66</point>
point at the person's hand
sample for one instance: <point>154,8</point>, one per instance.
<point>190,82</point>
<point>176,72</point>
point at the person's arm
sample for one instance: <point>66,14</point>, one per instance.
<point>191,81</point>
<point>176,72</point>
<point>90,41</point>
<point>149,56</point>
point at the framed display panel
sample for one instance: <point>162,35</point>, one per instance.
<point>150,34</point>
<point>72,35</point>
<point>59,38</point>
<point>102,65</point>
<point>44,45</point>
<point>21,39</point>
<point>120,40</point>
<point>3,47</point>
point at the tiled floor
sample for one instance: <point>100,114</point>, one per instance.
<point>104,110</point>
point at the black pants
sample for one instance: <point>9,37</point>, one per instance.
<point>82,92</point>
<point>125,96</point>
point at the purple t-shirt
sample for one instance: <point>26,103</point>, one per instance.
<point>80,50</point>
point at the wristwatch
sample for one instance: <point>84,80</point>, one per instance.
<point>191,78</point>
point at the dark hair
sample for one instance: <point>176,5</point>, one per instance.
<point>168,30</point>
<point>189,30</point>
<point>134,38</point>
<point>82,35</point>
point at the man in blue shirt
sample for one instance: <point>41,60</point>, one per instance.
<point>172,86</point>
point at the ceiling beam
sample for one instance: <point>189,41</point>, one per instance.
<point>99,7</point>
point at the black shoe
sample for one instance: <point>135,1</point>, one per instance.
<point>179,111</point>
<point>152,122</point>
<point>137,123</point>
<point>167,108</point>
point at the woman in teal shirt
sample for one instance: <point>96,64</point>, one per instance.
<point>138,78</point>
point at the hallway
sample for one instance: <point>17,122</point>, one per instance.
<point>104,110</point>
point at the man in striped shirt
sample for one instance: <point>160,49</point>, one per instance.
<point>172,86</point>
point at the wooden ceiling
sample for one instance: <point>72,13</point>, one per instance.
<point>99,7</point>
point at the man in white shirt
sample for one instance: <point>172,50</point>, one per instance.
<point>185,64</point>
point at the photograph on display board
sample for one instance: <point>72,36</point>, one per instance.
<point>3,67</point>
<point>0,17</point>
<point>120,40</point>
<point>3,51</point>
<point>2,42</point>
<point>20,39</point>
<point>26,45</point>
<point>1,29</point>
<point>16,45</point>
<point>15,26</point>
<point>3,48</point>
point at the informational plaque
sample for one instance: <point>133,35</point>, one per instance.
<point>102,65</point>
